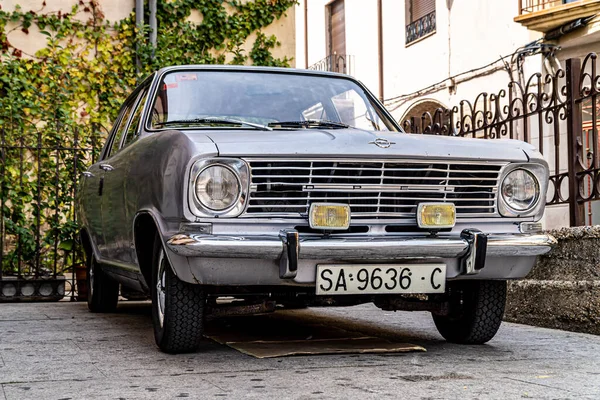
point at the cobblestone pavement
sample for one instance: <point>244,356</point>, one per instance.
<point>60,351</point>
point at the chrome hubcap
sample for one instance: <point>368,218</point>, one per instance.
<point>160,287</point>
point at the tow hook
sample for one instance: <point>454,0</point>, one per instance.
<point>474,260</point>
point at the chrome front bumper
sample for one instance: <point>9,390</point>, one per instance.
<point>289,247</point>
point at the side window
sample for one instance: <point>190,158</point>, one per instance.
<point>132,130</point>
<point>120,130</point>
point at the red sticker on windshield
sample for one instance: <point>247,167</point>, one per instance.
<point>170,86</point>
<point>186,77</point>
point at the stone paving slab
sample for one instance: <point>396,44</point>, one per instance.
<point>60,351</point>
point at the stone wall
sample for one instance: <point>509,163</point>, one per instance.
<point>563,290</point>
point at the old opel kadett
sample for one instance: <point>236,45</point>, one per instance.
<point>223,190</point>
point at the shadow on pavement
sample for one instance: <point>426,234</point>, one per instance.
<point>298,325</point>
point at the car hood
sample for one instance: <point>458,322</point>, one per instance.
<point>359,143</point>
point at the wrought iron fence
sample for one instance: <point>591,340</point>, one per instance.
<point>420,28</point>
<point>584,145</point>
<point>39,171</point>
<point>557,113</point>
<point>342,63</point>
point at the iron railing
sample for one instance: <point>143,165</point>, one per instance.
<point>39,172</point>
<point>342,63</point>
<point>420,28</point>
<point>584,147</point>
<point>529,6</point>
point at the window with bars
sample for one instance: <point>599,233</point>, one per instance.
<point>420,19</point>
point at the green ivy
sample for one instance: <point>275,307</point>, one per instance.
<point>66,96</point>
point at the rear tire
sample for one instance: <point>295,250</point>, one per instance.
<point>103,292</point>
<point>177,307</point>
<point>476,311</point>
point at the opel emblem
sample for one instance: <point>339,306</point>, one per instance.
<point>381,142</point>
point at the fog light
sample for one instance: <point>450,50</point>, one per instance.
<point>436,215</point>
<point>329,216</point>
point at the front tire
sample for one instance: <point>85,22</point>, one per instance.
<point>476,311</point>
<point>103,292</point>
<point>177,307</point>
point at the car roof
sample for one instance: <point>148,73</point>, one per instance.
<point>221,67</point>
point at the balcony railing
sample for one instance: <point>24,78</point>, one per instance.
<point>529,6</point>
<point>420,28</point>
<point>342,63</point>
<point>548,15</point>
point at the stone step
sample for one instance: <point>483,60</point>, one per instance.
<point>562,304</point>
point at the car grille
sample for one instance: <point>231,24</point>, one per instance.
<point>373,189</point>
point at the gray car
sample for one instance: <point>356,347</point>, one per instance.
<point>230,190</point>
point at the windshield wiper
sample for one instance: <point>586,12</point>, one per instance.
<point>208,120</point>
<point>310,123</point>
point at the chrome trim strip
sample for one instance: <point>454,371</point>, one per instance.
<point>376,220</point>
<point>376,177</point>
<point>381,160</point>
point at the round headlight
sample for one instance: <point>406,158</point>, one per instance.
<point>217,187</point>
<point>520,190</point>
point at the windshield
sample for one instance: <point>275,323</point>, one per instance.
<point>237,99</point>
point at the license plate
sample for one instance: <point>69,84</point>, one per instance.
<point>338,279</point>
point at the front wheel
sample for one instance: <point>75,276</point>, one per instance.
<point>177,307</point>
<point>476,311</point>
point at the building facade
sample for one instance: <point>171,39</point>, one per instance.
<point>415,51</point>
<point>420,55</point>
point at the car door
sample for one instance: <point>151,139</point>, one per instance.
<point>131,189</point>
<point>105,183</point>
<point>116,219</point>
<point>93,186</point>
<point>91,204</point>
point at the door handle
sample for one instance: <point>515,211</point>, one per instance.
<point>106,167</point>
<point>87,174</point>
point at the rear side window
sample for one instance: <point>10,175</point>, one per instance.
<point>133,128</point>
<point>120,130</point>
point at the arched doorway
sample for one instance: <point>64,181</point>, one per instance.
<point>427,116</point>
